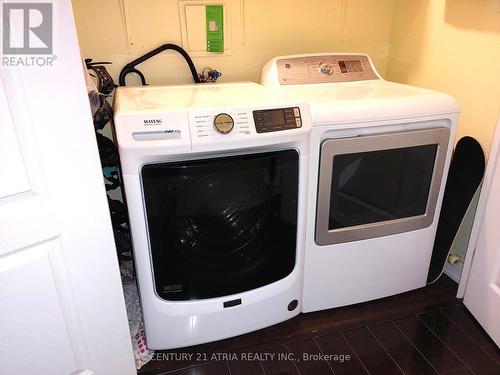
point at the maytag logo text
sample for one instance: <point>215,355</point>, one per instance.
<point>153,122</point>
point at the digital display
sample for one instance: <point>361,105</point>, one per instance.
<point>278,118</point>
<point>271,120</point>
<point>350,66</point>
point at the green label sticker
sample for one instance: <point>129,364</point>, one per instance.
<point>215,28</point>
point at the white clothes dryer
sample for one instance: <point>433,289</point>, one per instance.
<point>215,179</point>
<point>380,153</point>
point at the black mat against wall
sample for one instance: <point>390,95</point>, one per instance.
<point>465,174</point>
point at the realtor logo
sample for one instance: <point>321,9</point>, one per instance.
<point>27,28</point>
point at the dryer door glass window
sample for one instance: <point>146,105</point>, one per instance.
<point>221,226</point>
<point>377,185</point>
<point>374,186</point>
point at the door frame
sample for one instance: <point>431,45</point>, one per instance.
<point>62,218</point>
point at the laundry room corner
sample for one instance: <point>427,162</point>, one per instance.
<point>452,46</point>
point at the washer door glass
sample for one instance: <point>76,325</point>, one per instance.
<point>221,226</point>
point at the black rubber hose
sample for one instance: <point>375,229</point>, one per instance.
<point>139,73</point>
<point>130,67</point>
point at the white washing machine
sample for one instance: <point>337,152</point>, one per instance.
<point>380,153</point>
<point>215,178</point>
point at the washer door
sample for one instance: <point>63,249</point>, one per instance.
<point>372,186</point>
<point>221,226</point>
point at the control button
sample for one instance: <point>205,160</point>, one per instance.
<point>298,122</point>
<point>326,68</point>
<point>223,123</point>
<point>296,112</point>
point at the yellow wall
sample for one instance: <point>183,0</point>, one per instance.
<point>451,46</point>
<point>261,29</point>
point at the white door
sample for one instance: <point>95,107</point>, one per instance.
<point>61,303</point>
<point>482,294</point>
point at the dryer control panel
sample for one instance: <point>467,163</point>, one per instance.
<point>325,69</point>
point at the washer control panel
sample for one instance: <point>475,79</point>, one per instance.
<point>223,123</point>
<point>271,120</point>
<point>325,69</point>
<point>206,125</point>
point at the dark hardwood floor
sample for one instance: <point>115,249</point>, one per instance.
<point>426,331</point>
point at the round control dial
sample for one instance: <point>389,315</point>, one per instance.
<point>326,68</point>
<point>223,123</point>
